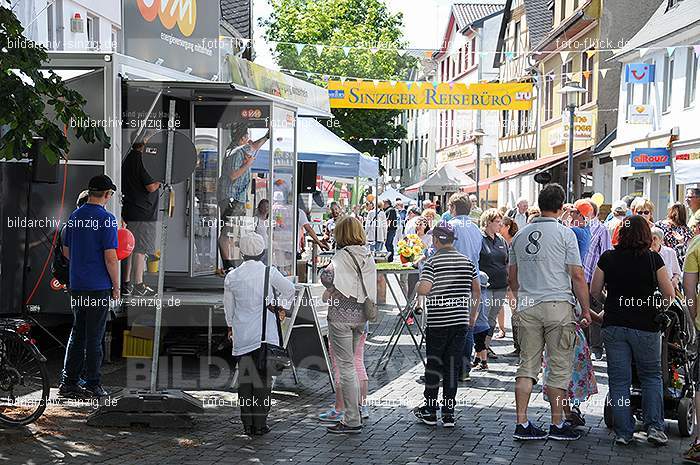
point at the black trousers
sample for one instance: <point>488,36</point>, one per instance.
<point>443,349</point>
<point>389,244</point>
<point>254,391</point>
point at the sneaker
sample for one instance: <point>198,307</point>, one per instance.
<point>483,366</point>
<point>531,433</point>
<point>491,354</point>
<point>421,379</point>
<point>465,378</point>
<point>565,433</point>
<point>342,428</point>
<point>620,441</point>
<point>126,289</point>
<point>96,391</point>
<point>427,416</point>
<point>657,437</point>
<point>576,418</point>
<point>693,454</point>
<point>364,412</point>
<point>73,392</point>
<point>331,416</point>
<point>141,290</point>
<point>476,363</point>
<point>448,420</point>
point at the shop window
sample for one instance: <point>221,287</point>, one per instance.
<point>516,38</point>
<point>93,32</point>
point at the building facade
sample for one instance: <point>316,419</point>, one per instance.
<point>662,111</point>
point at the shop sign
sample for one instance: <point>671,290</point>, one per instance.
<point>383,95</point>
<point>686,167</point>
<point>583,125</point>
<point>639,114</point>
<point>650,159</point>
<point>640,73</point>
<point>178,34</point>
<point>277,84</point>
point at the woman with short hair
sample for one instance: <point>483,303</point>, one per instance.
<point>631,273</point>
<point>493,260</point>
<point>350,279</point>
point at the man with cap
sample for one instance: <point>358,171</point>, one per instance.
<point>617,215</point>
<point>90,244</point>
<point>451,283</point>
<point>243,306</point>
<point>233,185</point>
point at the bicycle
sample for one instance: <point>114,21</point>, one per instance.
<point>24,378</point>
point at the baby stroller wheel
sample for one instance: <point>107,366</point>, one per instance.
<point>607,412</point>
<point>686,417</point>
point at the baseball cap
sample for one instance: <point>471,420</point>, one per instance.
<point>620,206</point>
<point>444,231</point>
<point>584,207</point>
<point>101,182</point>
<point>252,244</point>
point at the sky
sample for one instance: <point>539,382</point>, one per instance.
<point>424,23</point>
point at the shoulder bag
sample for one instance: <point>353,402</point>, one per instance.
<point>272,358</point>
<point>661,320</point>
<point>369,306</point>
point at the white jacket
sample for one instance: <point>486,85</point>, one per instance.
<point>381,226</point>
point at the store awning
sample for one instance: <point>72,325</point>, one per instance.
<point>335,157</point>
<point>539,164</point>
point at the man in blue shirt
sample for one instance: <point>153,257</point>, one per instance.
<point>468,243</point>
<point>90,244</point>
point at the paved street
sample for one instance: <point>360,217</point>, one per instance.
<point>482,435</point>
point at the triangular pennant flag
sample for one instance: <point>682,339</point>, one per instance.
<point>564,55</point>
<point>375,82</point>
<point>591,52</point>
<point>374,50</point>
<point>325,77</point>
<point>643,51</point>
<point>374,141</point>
<point>319,49</point>
<point>393,84</point>
<point>342,79</point>
<point>586,74</point>
<point>603,72</point>
<point>697,49</point>
<point>408,86</point>
<point>346,50</point>
<point>299,47</point>
<point>452,85</point>
<point>435,84</point>
<point>293,72</point>
<point>670,50</point>
<point>401,52</point>
<point>309,74</point>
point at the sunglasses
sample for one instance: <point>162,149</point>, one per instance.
<point>645,212</point>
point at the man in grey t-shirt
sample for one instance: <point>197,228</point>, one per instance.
<point>545,274</point>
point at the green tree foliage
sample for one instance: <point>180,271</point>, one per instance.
<point>35,103</point>
<point>336,23</point>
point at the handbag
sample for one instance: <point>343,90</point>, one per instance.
<point>657,301</point>
<point>272,359</point>
<point>369,306</point>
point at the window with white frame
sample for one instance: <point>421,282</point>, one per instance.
<point>473,51</point>
<point>646,88</point>
<point>668,82</point>
<point>93,32</point>
<point>516,37</point>
<point>630,98</point>
<point>548,91</point>
<point>566,70</point>
<point>504,123</point>
<point>691,74</point>
<point>115,40</point>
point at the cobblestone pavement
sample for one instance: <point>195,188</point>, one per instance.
<point>392,436</point>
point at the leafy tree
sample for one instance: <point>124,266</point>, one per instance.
<point>337,23</point>
<point>31,97</point>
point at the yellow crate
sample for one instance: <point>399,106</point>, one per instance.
<point>136,347</point>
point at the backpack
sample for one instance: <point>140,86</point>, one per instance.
<point>59,265</point>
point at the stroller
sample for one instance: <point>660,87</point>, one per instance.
<point>677,359</point>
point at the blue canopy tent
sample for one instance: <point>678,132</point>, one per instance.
<point>335,158</point>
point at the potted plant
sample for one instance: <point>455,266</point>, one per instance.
<point>410,248</point>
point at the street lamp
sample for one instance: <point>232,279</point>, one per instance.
<point>478,136</point>
<point>571,90</point>
<point>488,159</point>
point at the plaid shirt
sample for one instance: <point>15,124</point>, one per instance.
<point>238,188</point>
<point>600,242</point>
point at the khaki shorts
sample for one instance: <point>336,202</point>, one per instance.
<point>550,325</point>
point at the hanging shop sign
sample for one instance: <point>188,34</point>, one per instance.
<point>383,95</point>
<point>650,159</point>
<point>686,167</point>
<point>173,33</point>
<point>583,125</point>
<point>248,74</point>
<point>639,114</point>
<point>640,73</point>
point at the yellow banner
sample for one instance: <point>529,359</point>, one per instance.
<point>425,95</point>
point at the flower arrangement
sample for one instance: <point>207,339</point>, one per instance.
<point>410,248</point>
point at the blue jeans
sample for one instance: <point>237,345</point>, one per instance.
<point>390,245</point>
<point>622,347</point>
<point>84,349</point>
<point>377,246</point>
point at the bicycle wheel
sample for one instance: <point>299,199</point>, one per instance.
<point>24,382</point>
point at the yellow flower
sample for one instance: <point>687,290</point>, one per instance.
<point>402,243</point>
<point>406,253</point>
<point>417,250</point>
<point>413,237</point>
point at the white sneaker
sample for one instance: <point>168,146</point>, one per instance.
<point>364,412</point>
